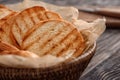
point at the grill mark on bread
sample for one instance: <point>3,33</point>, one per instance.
<point>29,13</point>
<point>66,43</point>
<point>6,23</point>
<point>1,34</point>
<point>56,16</point>
<point>41,13</point>
<point>26,18</point>
<point>22,16</point>
<point>7,46</point>
<point>34,15</point>
<point>58,43</point>
<point>18,30</point>
<point>15,43</point>
<point>40,51</point>
<point>79,50</point>
<point>21,24</point>
<point>21,19</point>
<point>31,32</point>
<point>38,14</point>
<point>16,24</point>
<point>55,44</point>
<point>43,45</point>
<point>8,16</point>
<point>46,15</point>
<point>3,20</point>
<point>81,46</point>
<point>30,44</point>
<point>52,15</point>
<point>42,16</point>
<point>42,36</point>
<point>33,19</point>
<point>4,26</point>
<point>69,45</point>
<point>34,41</point>
<point>68,35</point>
<point>1,30</point>
<point>5,12</point>
<point>74,47</point>
<point>51,38</point>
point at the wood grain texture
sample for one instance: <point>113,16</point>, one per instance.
<point>109,69</point>
<point>106,58</point>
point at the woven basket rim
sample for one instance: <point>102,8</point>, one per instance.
<point>65,64</point>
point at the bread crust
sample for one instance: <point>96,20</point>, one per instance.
<point>37,31</point>
<point>8,49</point>
<point>55,37</point>
<point>26,19</point>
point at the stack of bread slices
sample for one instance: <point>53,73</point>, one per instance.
<point>36,31</point>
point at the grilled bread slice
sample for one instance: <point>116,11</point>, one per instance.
<point>55,37</point>
<point>5,29</point>
<point>4,11</point>
<point>19,53</point>
<point>3,20</point>
<point>26,19</point>
<point>8,49</point>
<point>5,14</point>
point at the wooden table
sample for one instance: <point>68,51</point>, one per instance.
<point>105,64</point>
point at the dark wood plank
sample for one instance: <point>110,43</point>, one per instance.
<point>108,44</point>
<point>109,69</point>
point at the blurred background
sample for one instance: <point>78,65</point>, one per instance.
<point>75,2</point>
<point>110,9</point>
<point>91,5</point>
<point>85,2</point>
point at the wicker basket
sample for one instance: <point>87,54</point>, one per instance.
<point>63,71</point>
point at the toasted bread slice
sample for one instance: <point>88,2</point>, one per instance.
<point>5,29</point>
<point>19,53</point>
<point>3,20</point>
<point>26,19</point>
<point>5,14</point>
<point>4,11</point>
<point>55,37</point>
<point>8,49</point>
